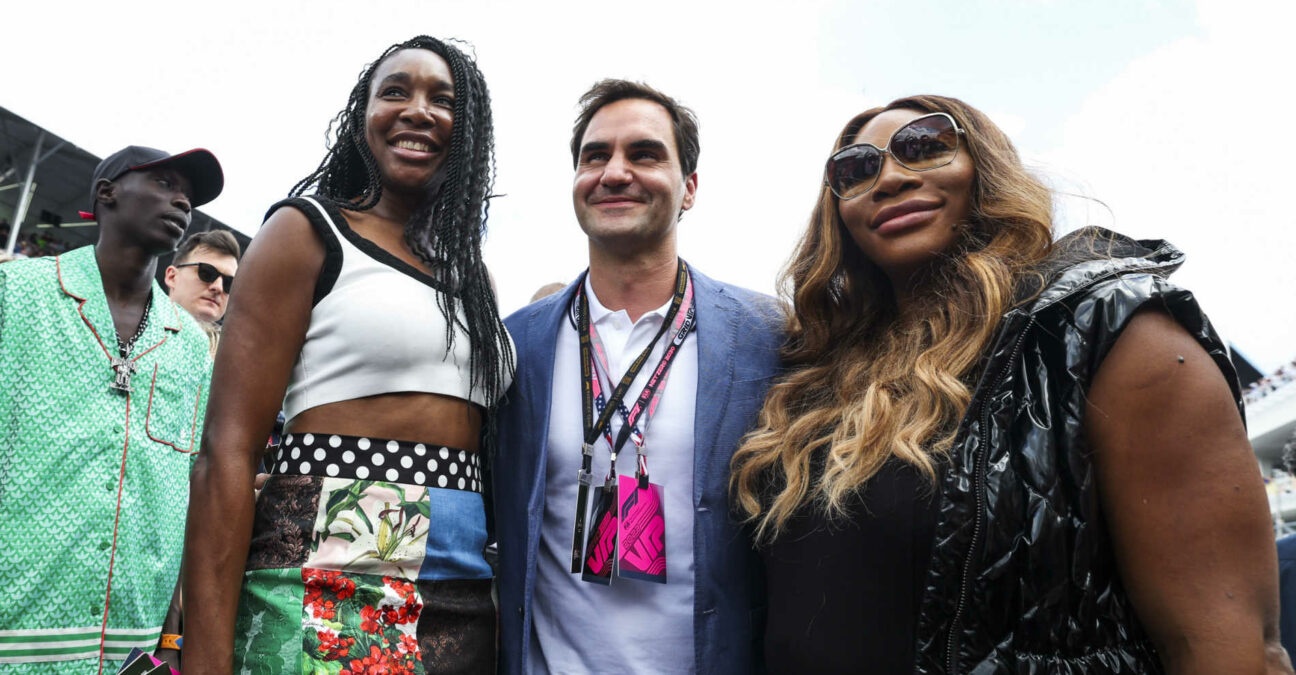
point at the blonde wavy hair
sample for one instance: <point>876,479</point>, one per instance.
<point>866,383</point>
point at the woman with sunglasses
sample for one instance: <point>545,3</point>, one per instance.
<point>363,310</point>
<point>993,452</point>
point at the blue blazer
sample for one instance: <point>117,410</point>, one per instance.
<point>739,334</point>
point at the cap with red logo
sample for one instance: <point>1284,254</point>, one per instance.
<point>198,165</point>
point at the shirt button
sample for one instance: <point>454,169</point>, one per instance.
<point>118,428</point>
<point>519,610</point>
<point>103,545</point>
<point>96,609</point>
<point>110,485</point>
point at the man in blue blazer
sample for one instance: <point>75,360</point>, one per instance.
<point>712,351</point>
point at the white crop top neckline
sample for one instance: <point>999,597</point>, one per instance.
<point>376,327</point>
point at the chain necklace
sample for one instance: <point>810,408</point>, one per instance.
<point>126,346</point>
<point>124,366</point>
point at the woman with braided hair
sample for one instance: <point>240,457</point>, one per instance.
<point>364,310</point>
<point>993,452</point>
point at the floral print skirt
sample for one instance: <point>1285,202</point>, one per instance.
<point>366,557</point>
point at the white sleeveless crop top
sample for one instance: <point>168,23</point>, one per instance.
<point>375,327</point>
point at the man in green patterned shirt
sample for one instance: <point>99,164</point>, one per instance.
<point>102,390</point>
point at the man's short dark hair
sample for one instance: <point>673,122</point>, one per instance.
<point>218,241</point>
<point>683,120</point>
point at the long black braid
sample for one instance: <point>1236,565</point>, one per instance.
<point>446,231</point>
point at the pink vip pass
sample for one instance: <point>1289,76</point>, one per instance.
<point>601,550</point>
<point>641,553</point>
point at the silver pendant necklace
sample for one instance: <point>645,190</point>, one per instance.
<point>122,365</point>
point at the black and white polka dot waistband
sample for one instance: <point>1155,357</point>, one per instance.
<point>357,457</point>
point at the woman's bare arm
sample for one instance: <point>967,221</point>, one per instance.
<point>269,312</point>
<point>1184,499</point>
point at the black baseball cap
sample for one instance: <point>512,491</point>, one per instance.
<point>198,165</point>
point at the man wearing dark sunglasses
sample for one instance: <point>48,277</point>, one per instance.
<point>203,271</point>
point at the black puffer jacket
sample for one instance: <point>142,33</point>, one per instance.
<point>1023,578</point>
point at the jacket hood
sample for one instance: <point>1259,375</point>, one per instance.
<point>1091,254</point>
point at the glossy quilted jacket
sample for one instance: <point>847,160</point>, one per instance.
<point>1023,578</point>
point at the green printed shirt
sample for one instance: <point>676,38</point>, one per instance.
<point>94,482</point>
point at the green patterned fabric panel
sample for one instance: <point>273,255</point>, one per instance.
<point>91,478</point>
<point>268,630</point>
<point>325,621</point>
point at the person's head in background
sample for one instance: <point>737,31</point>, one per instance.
<point>200,277</point>
<point>547,290</point>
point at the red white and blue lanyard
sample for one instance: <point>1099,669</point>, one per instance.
<point>679,321</point>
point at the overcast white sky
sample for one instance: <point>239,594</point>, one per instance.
<point>1175,114</point>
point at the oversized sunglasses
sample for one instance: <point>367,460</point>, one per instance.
<point>926,143</point>
<point>208,273</point>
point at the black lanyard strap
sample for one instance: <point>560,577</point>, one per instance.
<point>581,303</point>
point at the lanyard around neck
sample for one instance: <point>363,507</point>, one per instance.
<point>590,391</point>
<point>589,378</point>
<point>635,421</point>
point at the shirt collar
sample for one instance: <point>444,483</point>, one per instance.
<point>599,313</point>
<point>79,277</point>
